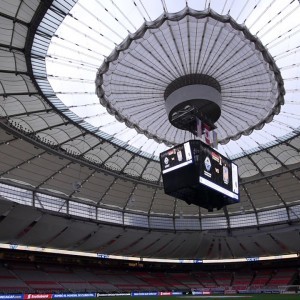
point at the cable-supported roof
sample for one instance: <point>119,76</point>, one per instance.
<point>61,151</point>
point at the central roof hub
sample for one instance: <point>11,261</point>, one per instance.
<point>179,62</point>
<point>193,96</point>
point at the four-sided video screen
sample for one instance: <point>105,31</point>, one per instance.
<point>200,175</point>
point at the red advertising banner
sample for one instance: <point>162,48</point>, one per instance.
<point>37,296</point>
<point>165,293</point>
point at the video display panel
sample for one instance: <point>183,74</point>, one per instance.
<point>176,157</point>
<point>200,175</point>
<point>218,172</point>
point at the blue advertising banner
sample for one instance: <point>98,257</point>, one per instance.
<point>78,295</point>
<point>177,293</point>
<point>144,294</point>
<point>11,296</point>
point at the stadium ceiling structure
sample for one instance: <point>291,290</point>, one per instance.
<point>83,121</point>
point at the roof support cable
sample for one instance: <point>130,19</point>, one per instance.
<point>163,2</point>
<point>14,18</point>
<point>231,5</point>
<point>90,29</point>
<point>86,37</point>
<point>139,10</point>
<point>276,159</point>
<point>216,72</point>
<point>145,168</point>
<point>243,114</point>
<point>127,163</point>
<point>106,192</point>
<point>55,59</point>
<point>174,213</point>
<point>291,146</point>
<point>229,248</point>
<point>110,28</point>
<point>292,91</point>
<point>149,18</point>
<point>213,59</point>
<point>233,100</point>
<point>18,166</point>
<point>274,26</point>
<point>151,204</point>
<point>261,15</point>
<point>241,11</point>
<point>174,210</point>
<point>280,124</point>
<point>187,62</point>
<point>77,49</point>
<point>225,210</point>
<point>87,105</point>
<point>250,12</point>
<point>205,53</point>
<point>223,9</point>
<point>7,142</point>
<point>71,79</point>
<point>281,199</point>
<point>170,64</point>
<point>60,170</point>
<point>200,51</point>
<point>283,37</point>
<point>288,67</point>
<point>58,11</point>
<point>253,67</point>
<point>252,204</point>
<point>130,200</point>
<point>74,93</point>
<point>285,54</point>
<point>116,19</point>
<point>27,113</point>
<point>200,217</point>
<point>111,156</point>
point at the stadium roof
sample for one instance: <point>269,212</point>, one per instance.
<point>62,151</point>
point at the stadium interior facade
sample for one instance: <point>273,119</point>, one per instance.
<point>83,120</point>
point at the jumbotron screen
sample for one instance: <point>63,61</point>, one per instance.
<point>218,172</point>
<point>198,174</point>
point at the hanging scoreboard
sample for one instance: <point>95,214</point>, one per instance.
<point>198,174</point>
